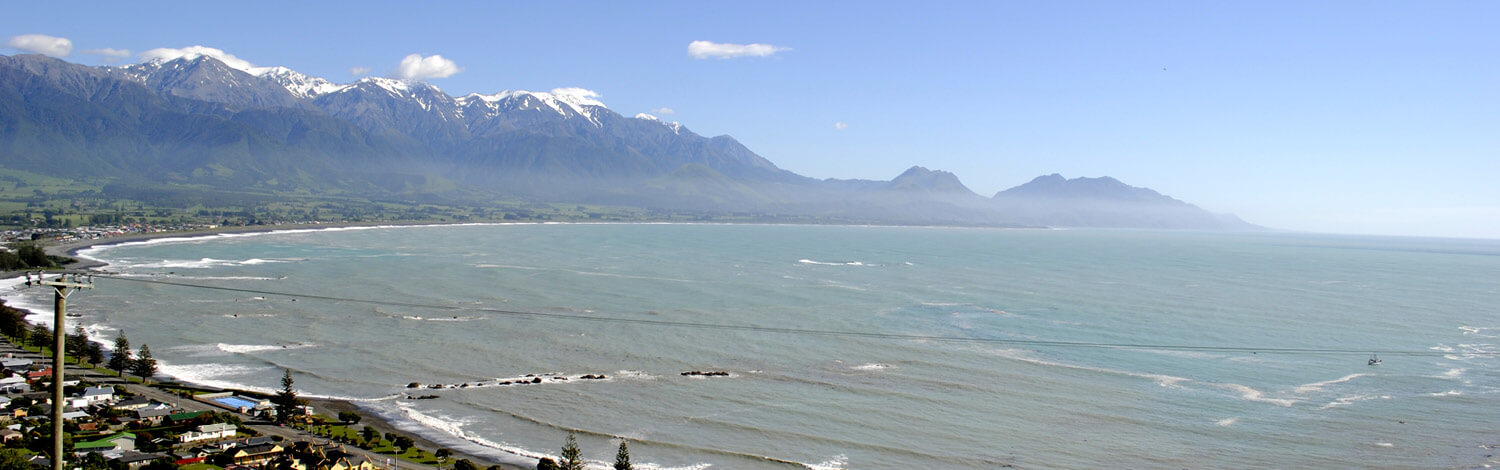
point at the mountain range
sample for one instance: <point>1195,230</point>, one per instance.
<point>196,121</point>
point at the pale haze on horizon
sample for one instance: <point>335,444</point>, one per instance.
<point>1339,117</point>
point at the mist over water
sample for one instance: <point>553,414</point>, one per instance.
<point>449,296</point>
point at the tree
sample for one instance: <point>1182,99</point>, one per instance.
<point>571,458</point>
<point>546,464</point>
<point>11,459</point>
<point>349,417</point>
<point>33,256</point>
<point>442,454</point>
<point>403,443</point>
<point>40,335</point>
<point>94,353</point>
<point>95,461</point>
<point>143,365</point>
<point>369,434</point>
<point>78,344</point>
<point>622,458</point>
<point>287,404</point>
<point>119,360</point>
<point>464,464</point>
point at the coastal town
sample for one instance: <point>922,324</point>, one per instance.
<point>119,422</point>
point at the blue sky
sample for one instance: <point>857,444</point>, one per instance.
<point>1346,117</point>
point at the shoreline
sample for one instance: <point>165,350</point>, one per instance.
<point>327,406</point>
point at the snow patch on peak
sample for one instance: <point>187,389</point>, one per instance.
<point>565,101</point>
<point>301,85</point>
<point>675,126</point>
<point>394,86</point>
<point>164,54</point>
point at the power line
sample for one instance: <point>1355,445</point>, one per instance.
<point>802,331</point>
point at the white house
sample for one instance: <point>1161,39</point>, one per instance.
<point>209,432</point>
<point>98,394</point>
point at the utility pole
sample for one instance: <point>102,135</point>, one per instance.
<point>60,286</point>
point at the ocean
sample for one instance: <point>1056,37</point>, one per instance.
<point>845,347</point>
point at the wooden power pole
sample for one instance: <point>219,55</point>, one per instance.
<point>61,286</point>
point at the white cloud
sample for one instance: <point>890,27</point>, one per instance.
<point>664,110</point>
<point>840,126</point>
<point>715,50</point>
<point>41,44</point>
<point>576,92</point>
<point>193,52</point>
<point>359,71</point>
<point>416,67</point>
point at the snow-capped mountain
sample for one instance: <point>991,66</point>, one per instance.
<point>193,119</point>
<point>208,79</point>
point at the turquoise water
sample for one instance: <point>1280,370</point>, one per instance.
<point>916,400</point>
<point>236,402</point>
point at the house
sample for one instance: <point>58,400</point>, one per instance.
<point>121,441</point>
<point>15,363</point>
<point>131,404</point>
<point>305,455</point>
<point>209,432</point>
<point>75,414</point>
<point>14,384</point>
<point>153,414</point>
<point>39,374</point>
<point>98,394</point>
<point>7,435</point>
<point>254,455</point>
<point>135,460</point>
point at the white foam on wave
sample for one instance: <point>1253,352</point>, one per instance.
<point>1318,386</point>
<point>1384,444</point>
<point>1252,394</point>
<point>255,348</point>
<point>1227,422</point>
<point>455,430</point>
<point>216,375</point>
<point>873,366</point>
<point>1022,355</point>
<point>203,263</point>
<point>1478,331</point>
<point>835,263</point>
<point>838,462</point>
<point>1450,393</point>
<point>1349,400</point>
<point>1453,374</point>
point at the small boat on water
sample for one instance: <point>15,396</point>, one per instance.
<point>1374,360</point>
